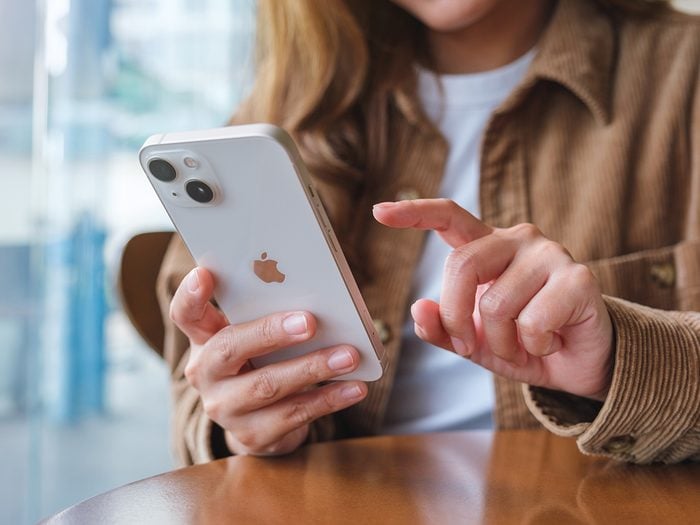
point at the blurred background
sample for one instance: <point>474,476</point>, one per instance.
<point>83,402</point>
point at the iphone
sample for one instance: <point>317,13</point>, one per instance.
<point>245,206</point>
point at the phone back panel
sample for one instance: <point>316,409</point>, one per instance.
<point>265,223</point>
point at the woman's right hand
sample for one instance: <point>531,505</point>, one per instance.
<point>264,411</point>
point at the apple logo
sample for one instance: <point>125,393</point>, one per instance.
<point>266,269</point>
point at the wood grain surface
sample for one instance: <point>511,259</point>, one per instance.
<point>504,477</point>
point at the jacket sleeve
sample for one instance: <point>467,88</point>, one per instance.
<point>196,438</point>
<point>652,412</point>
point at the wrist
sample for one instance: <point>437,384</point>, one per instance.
<point>608,365</point>
<point>602,394</point>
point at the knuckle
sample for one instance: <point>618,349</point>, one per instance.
<point>582,277</point>
<point>298,414</point>
<point>313,368</point>
<point>225,345</point>
<point>265,332</point>
<point>248,437</point>
<point>192,370</point>
<point>264,387</point>
<point>528,328</point>
<point>531,326</point>
<point>549,250</point>
<point>213,408</point>
<point>461,259</point>
<point>328,402</point>
<point>526,230</point>
<point>494,305</point>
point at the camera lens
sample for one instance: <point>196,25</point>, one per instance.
<point>162,170</point>
<point>199,191</point>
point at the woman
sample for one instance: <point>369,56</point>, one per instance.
<point>580,117</point>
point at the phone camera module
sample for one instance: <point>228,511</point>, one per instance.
<point>199,191</point>
<point>162,170</point>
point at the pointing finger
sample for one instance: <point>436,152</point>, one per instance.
<point>453,223</point>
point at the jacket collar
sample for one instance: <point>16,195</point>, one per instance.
<point>577,51</point>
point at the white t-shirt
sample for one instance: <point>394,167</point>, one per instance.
<point>435,389</point>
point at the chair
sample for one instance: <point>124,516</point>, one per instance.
<point>138,272</point>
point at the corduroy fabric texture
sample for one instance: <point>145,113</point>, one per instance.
<point>600,148</point>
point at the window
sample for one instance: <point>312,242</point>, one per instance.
<point>83,403</point>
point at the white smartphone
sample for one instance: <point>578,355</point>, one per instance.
<point>244,204</point>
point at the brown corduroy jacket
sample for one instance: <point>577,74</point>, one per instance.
<point>599,146</point>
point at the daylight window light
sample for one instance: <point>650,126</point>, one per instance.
<point>56,39</point>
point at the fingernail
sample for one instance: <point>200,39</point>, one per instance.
<point>193,281</point>
<point>295,324</point>
<point>350,392</point>
<point>383,205</point>
<point>418,329</point>
<point>340,360</point>
<point>459,346</point>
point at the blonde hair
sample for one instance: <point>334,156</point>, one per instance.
<point>331,73</point>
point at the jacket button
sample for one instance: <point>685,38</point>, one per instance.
<point>407,194</point>
<point>619,444</point>
<point>663,274</point>
<point>382,330</point>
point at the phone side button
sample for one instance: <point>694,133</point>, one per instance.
<point>330,240</point>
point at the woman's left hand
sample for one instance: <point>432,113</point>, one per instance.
<point>512,301</point>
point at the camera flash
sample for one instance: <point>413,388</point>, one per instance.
<point>190,162</point>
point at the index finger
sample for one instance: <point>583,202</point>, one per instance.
<point>453,223</point>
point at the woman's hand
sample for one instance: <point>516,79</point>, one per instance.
<point>512,301</point>
<point>266,410</point>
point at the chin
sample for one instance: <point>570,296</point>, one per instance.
<point>448,15</point>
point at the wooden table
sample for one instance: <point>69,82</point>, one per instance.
<point>465,477</point>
